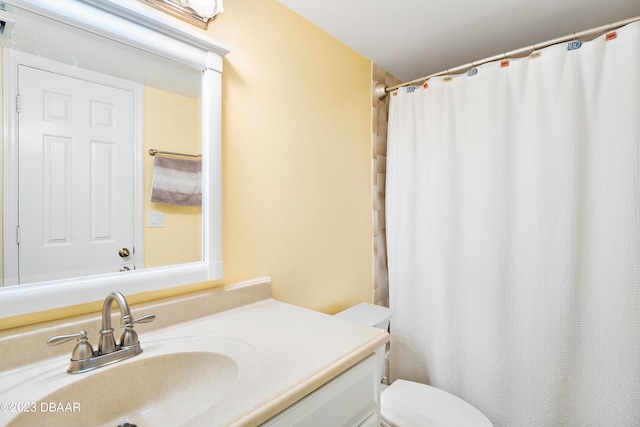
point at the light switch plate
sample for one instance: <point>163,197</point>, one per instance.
<point>156,219</point>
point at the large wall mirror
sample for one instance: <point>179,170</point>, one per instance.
<point>91,89</point>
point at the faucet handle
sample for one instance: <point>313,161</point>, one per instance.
<point>59,339</point>
<point>129,336</point>
<point>83,350</point>
<point>129,321</point>
<point>148,318</point>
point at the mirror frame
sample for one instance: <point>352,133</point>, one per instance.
<point>138,25</point>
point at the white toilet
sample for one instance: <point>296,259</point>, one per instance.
<point>411,404</point>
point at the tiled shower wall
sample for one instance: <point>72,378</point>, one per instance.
<point>380,114</point>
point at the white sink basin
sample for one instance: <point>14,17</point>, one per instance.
<point>172,381</point>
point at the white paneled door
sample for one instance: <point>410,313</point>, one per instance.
<point>76,175</point>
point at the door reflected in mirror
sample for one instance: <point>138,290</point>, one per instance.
<point>82,113</point>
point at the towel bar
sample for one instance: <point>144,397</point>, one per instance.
<point>153,152</point>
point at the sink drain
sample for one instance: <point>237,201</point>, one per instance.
<point>127,425</point>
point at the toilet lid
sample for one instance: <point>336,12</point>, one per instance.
<point>410,404</point>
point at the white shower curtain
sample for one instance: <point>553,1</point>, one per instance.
<point>513,225</point>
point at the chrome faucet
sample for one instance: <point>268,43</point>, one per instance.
<point>84,358</point>
<point>107,341</point>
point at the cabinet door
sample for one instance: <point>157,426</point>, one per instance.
<point>348,400</point>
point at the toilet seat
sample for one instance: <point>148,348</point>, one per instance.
<point>411,404</point>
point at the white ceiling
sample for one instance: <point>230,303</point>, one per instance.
<point>414,38</point>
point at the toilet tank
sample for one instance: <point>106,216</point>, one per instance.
<point>368,314</point>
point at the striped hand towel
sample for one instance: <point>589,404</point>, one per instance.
<point>177,181</point>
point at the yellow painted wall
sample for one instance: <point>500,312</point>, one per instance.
<point>296,157</point>
<point>296,162</point>
<point>172,123</point>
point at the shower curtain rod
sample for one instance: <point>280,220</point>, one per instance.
<point>381,90</point>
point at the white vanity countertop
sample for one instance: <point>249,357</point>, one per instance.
<point>299,350</point>
<point>295,351</point>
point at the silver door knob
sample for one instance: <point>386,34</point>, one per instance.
<point>124,252</point>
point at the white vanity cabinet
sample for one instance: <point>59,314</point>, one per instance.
<point>350,400</point>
